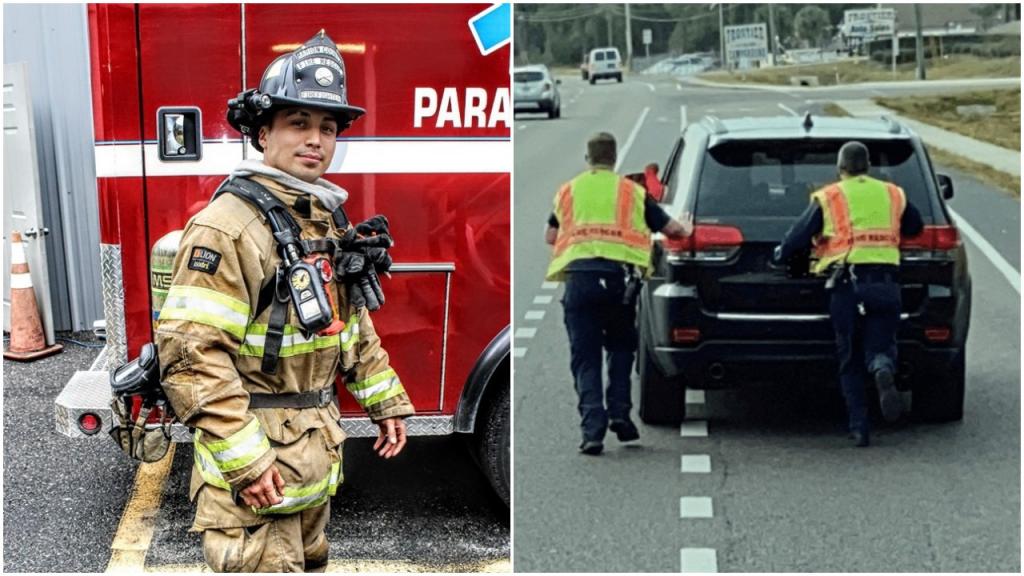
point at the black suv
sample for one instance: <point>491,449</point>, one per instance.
<point>716,314</point>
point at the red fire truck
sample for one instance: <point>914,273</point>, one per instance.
<point>433,153</point>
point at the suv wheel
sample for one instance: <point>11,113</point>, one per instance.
<point>939,396</point>
<point>592,80</point>
<point>492,438</point>
<point>662,400</point>
<point>619,77</point>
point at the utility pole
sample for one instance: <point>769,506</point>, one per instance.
<point>629,41</point>
<point>920,42</point>
<point>771,32</point>
<point>608,20</point>
<point>721,34</point>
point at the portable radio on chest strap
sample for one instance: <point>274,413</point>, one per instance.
<point>301,278</point>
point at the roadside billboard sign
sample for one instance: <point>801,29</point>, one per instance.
<point>869,23</point>
<point>746,42</point>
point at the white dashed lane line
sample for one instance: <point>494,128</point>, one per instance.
<point>701,560</point>
<point>695,507</point>
<point>788,109</point>
<point>538,315</point>
<point>526,332</point>
<point>695,464</point>
<point>694,429</point>
<point>694,396</point>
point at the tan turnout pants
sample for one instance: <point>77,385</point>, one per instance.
<point>292,543</point>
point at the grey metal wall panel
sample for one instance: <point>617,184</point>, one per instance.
<point>53,40</point>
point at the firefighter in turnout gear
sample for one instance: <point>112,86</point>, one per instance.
<point>601,233</point>
<point>269,302</point>
<point>854,228</point>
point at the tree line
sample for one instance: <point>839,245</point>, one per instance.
<point>559,34</point>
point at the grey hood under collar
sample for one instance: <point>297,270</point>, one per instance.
<point>330,195</point>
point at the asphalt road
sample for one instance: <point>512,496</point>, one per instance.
<point>786,491</point>
<point>428,509</point>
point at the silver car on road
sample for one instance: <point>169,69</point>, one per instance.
<point>536,91</point>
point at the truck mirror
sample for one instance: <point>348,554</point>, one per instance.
<point>179,134</point>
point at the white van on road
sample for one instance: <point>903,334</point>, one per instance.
<point>604,63</point>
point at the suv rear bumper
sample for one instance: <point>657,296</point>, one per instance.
<point>728,364</point>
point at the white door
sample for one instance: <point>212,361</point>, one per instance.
<point>23,207</point>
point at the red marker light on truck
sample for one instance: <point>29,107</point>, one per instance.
<point>686,335</point>
<point>89,423</point>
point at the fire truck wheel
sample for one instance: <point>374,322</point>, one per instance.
<point>492,439</point>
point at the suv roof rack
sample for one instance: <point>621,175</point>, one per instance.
<point>894,126</point>
<point>715,124</point>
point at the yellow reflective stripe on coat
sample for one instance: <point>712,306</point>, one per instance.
<point>206,466</point>
<point>293,343</point>
<point>238,450</point>
<point>205,306</point>
<point>296,499</point>
<point>376,388</point>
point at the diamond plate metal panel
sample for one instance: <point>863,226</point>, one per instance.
<point>415,426</point>
<point>87,391</point>
<point>112,282</point>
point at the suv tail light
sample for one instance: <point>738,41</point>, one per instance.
<point>707,243</point>
<point>934,242</point>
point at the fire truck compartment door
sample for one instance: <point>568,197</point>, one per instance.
<point>23,204</point>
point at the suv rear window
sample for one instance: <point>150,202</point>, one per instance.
<point>528,76</point>
<point>598,56</point>
<point>775,179</point>
<point>612,55</point>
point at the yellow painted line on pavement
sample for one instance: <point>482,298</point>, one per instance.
<point>135,532</point>
<point>380,566</point>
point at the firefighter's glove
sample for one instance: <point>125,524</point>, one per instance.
<point>360,278</point>
<point>375,226</point>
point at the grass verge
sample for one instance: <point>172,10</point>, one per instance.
<point>1006,182</point>
<point>855,71</point>
<point>1001,128</point>
<point>996,178</point>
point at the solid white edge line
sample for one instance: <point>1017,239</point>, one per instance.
<point>632,136</point>
<point>1005,268</point>
<point>788,109</point>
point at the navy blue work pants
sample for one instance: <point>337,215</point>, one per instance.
<point>598,321</point>
<point>866,316</point>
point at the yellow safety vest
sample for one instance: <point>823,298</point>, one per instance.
<point>861,223</point>
<point>600,215</point>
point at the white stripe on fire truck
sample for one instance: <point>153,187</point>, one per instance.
<point>350,157</point>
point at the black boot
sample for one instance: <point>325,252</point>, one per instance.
<point>625,430</point>
<point>888,395</point>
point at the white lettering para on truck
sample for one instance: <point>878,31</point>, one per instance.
<point>468,111</point>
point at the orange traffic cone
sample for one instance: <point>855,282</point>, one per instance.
<point>27,340</point>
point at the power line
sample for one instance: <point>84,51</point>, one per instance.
<point>586,12</point>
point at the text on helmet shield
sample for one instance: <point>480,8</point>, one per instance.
<point>474,114</point>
